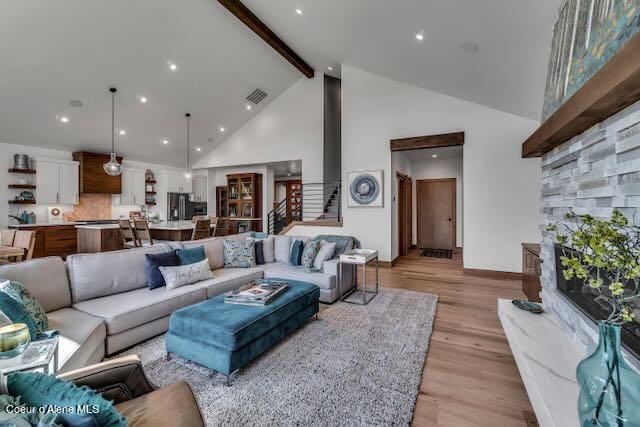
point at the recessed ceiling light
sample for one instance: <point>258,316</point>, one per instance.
<point>299,11</point>
<point>142,99</point>
<point>469,47</point>
<point>248,107</point>
<point>435,156</point>
<point>420,36</point>
<point>64,119</point>
<point>123,132</point>
<point>330,68</point>
<point>173,66</point>
<point>221,129</point>
<point>165,141</point>
<point>198,149</point>
<point>288,174</point>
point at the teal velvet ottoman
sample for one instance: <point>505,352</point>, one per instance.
<point>226,337</point>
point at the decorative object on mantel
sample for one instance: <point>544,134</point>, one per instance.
<point>615,86</point>
<point>605,255</point>
<point>113,168</point>
<point>529,306</point>
<point>586,35</point>
<point>365,189</point>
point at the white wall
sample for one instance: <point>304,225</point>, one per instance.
<point>7,152</point>
<point>437,169</point>
<point>501,192</point>
<point>289,128</point>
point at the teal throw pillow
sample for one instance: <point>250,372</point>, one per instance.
<point>17,303</point>
<point>191,256</point>
<point>309,253</point>
<point>239,253</point>
<point>36,390</point>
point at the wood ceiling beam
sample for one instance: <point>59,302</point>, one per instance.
<point>254,23</point>
<point>429,141</point>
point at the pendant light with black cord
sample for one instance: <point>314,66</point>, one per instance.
<point>188,173</point>
<point>113,168</point>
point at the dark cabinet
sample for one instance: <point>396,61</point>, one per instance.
<point>54,240</point>
<point>531,271</point>
<point>93,178</point>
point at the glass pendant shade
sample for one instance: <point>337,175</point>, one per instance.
<point>113,168</point>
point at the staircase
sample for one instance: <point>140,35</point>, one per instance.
<point>316,202</point>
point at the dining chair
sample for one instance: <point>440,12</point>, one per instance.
<point>214,225</point>
<point>198,218</point>
<point>128,234</point>
<point>201,229</point>
<point>25,239</point>
<point>222,227</point>
<point>142,232</point>
<point>6,237</point>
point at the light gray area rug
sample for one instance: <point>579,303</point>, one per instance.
<point>354,366</point>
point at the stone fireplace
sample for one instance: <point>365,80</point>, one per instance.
<point>592,173</point>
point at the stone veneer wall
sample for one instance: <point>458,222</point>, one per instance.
<point>592,173</point>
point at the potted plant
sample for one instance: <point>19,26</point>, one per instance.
<point>605,256</point>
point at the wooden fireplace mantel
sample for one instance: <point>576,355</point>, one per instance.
<point>613,88</point>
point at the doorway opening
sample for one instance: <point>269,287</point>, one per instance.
<point>428,203</point>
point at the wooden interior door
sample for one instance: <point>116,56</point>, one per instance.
<point>405,233</point>
<point>436,213</point>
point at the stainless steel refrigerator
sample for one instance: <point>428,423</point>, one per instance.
<point>180,206</point>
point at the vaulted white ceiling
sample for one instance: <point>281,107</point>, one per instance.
<point>52,52</point>
<point>507,72</point>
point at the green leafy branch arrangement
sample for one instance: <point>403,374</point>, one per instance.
<point>603,251</point>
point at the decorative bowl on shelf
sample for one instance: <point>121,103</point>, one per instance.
<point>14,339</point>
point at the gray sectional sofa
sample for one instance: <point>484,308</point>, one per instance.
<point>101,304</point>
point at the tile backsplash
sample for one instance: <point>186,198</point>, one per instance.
<point>93,206</point>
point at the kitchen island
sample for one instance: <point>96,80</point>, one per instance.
<point>94,238</point>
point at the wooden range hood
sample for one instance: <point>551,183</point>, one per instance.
<point>613,88</point>
<point>93,178</point>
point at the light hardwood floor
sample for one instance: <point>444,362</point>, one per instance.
<point>470,377</point>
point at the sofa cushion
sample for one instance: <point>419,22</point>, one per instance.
<point>80,335</point>
<point>126,310</point>
<point>268,249</point>
<point>46,279</point>
<point>325,253</point>
<point>309,253</point>
<point>282,248</point>
<point>213,249</point>
<point>227,279</point>
<point>259,247</point>
<point>287,272</point>
<point>188,274</point>
<point>107,273</point>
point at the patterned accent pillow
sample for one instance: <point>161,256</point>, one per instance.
<point>239,254</point>
<point>309,253</point>
<point>29,306</point>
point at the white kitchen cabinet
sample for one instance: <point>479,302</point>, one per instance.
<point>178,183</point>
<point>133,187</point>
<point>199,188</point>
<point>57,182</point>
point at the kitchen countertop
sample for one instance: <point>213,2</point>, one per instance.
<point>98,226</point>
<point>50,224</point>
<point>172,225</point>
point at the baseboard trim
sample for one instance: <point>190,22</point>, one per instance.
<point>385,264</point>
<point>492,274</point>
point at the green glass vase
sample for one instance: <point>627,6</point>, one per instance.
<point>609,387</point>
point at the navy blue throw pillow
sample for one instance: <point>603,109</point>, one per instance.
<point>259,252</point>
<point>151,264</point>
<point>296,252</point>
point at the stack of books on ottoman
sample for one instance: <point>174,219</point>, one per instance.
<point>256,293</point>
